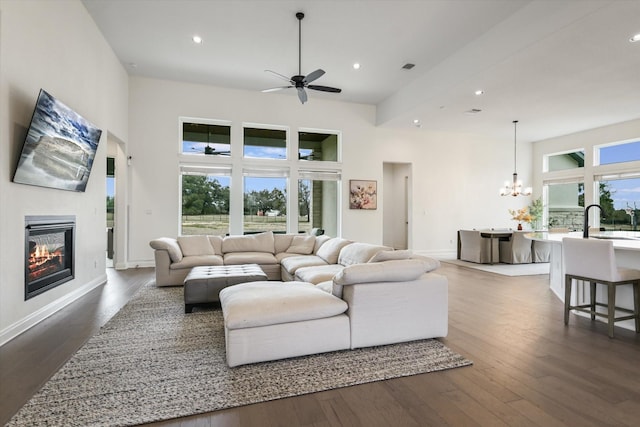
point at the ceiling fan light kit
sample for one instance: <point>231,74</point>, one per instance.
<point>514,188</point>
<point>299,81</point>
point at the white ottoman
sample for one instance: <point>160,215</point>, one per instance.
<point>276,320</point>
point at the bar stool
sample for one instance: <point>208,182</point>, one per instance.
<point>594,261</point>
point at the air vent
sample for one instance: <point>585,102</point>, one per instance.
<point>408,66</point>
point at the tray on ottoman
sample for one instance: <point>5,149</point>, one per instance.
<point>203,284</point>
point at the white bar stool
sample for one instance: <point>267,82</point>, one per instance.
<point>594,261</point>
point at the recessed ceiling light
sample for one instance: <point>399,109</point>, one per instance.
<point>635,38</point>
<point>197,39</point>
<point>416,121</point>
<point>479,92</point>
<point>356,66</point>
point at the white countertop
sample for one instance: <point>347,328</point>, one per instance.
<point>621,239</point>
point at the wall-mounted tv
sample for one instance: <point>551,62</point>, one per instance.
<point>59,149</point>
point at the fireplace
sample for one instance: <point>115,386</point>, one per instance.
<point>48,253</point>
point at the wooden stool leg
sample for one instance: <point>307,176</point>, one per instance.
<point>567,298</point>
<point>592,286</point>
<point>612,307</point>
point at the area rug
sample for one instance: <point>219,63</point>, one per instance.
<point>153,362</point>
<point>505,269</point>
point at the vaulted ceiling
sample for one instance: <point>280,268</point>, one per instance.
<point>557,66</point>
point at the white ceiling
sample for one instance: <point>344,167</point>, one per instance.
<point>557,66</point>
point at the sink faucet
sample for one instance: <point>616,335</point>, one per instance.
<point>585,230</point>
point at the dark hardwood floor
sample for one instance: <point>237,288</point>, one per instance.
<point>529,369</point>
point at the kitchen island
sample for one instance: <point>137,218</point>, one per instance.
<point>627,249</point>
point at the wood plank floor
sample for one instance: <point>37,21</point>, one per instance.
<point>529,369</point>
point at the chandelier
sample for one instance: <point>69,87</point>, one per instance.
<point>514,188</point>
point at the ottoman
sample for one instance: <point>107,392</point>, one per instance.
<point>203,284</point>
<point>276,320</point>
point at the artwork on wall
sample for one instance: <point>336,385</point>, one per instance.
<point>363,194</point>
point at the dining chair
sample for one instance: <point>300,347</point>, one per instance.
<point>594,261</point>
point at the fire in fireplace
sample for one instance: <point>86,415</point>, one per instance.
<point>49,258</point>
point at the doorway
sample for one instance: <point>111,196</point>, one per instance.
<point>110,205</point>
<point>396,192</point>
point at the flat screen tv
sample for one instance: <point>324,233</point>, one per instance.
<point>59,149</point>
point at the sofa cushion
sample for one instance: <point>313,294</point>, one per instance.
<point>320,240</point>
<point>261,242</point>
<point>318,274</point>
<point>196,261</point>
<point>236,258</point>
<point>256,304</point>
<point>195,245</point>
<point>282,242</point>
<point>391,255</point>
<point>330,250</point>
<point>216,242</point>
<point>170,245</point>
<point>359,253</point>
<point>302,245</point>
<point>389,271</point>
<point>326,286</point>
<point>292,264</point>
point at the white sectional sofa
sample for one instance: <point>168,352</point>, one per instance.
<point>322,294</point>
<point>279,255</point>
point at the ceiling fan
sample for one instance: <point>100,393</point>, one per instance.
<point>299,81</point>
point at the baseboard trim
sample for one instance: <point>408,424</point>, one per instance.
<point>12,331</point>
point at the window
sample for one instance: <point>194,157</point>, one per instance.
<point>564,161</point>
<point>317,146</point>
<point>620,202</point>
<point>205,203</point>
<point>265,143</point>
<point>265,204</point>
<point>618,153</point>
<point>206,139</point>
<point>318,201</point>
<point>261,194</point>
<point>565,205</point>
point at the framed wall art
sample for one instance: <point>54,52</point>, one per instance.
<point>363,194</point>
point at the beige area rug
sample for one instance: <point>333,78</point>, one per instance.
<point>505,269</point>
<point>153,362</point>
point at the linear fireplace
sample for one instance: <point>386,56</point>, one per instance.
<point>49,256</point>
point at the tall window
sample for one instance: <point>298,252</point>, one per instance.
<point>565,205</point>
<point>620,202</point>
<point>318,201</point>
<point>265,204</point>
<point>205,204</point>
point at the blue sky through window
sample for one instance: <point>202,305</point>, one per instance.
<point>626,192</point>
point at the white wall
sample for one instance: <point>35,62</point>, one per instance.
<point>456,177</point>
<point>55,46</point>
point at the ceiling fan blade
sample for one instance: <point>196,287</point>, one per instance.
<point>283,77</point>
<point>325,88</point>
<point>302,95</point>
<point>314,75</point>
<point>273,89</point>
